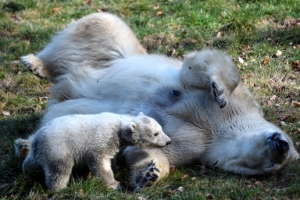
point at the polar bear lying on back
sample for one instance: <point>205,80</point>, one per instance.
<point>94,140</point>
<point>200,102</point>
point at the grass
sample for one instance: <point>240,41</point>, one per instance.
<point>252,32</point>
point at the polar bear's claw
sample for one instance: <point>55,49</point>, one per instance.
<point>217,94</point>
<point>147,177</point>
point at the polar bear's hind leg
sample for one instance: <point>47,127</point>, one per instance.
<point>35,65</point>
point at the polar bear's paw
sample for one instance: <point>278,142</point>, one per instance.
<point>115,185</point>
<point>218,94</point>
<point>22,148</point>
<point>147,177</point>
<point>34,65</point>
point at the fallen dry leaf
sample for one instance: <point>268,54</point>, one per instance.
<point>156,7</point>
<point>81,192</point>
<point>141,198</point>
<point>289,23</point>
<point>160,13</point>
<point>57,9</point>
<point>282,123</point>
<point>281,88</point>
<point>267,190</point>
<point>278,53</point>
<point>180,189</point>
<point>295,65</point>
<point>209,196</point>
<point>297,46</point>
<point>269,102</point>
<point>286,117</point>
<point>185,176</point>
<point>265,61</point>
<point>245,76</point>
<point>258,183</point>
<point>296,104</point>
<point>241,60</point>
<point>249,186</point>
<point>170,192</point>
<point>273,98</point>
<point>5,113</point>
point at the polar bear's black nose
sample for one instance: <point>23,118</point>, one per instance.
<point>276,142</point>
<point>169,142</point>
<point>282,146</point>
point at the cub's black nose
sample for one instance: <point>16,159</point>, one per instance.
<point>169,142</point>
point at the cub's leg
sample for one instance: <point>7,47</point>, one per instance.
<point>147,166</point>
<point>211,69</point>
<point>100,166</point>
<point>30,164</point>
<point>57,174</point>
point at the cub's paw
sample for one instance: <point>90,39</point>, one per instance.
<point>115,185</point>
<point>34,65</point>
<point>218,94</point>
<point>22,148</point>
<point>147,177</point>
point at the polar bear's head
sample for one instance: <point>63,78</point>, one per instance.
<point>145,131</point>
<point>254,151</point>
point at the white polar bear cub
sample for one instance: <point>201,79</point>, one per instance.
<point>91,140</point>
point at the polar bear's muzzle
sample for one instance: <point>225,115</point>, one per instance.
<point>276,142</point>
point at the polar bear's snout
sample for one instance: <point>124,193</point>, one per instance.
<point>169,142</point>
<point>277,142</point>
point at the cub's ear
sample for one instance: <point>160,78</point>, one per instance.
<point>132,126</point>
<point>141,114</point>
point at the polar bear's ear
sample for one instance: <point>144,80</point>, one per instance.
<point>132,126</point>
<point>141,114</point>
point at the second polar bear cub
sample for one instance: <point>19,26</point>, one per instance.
<point>91,140</point>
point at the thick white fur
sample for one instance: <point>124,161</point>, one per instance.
<point>93,140</point>
<point>201,103</point>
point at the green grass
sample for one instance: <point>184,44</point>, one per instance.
<point>251,30</point>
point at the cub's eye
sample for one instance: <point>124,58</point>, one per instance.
<point>155,134</point>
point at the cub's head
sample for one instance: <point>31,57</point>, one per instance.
<point>145,131</point>
<point>199,68</point>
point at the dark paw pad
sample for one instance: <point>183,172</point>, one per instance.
<point>217,94</point>
<point>149,176</point>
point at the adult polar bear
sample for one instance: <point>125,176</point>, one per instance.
<point>97,64</point>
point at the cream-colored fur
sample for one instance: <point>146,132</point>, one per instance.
<point>92,140</point>
<point>210,115</point>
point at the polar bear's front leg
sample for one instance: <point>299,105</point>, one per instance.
<point>147,166</point>
<point>57,174</point>
<point>101,167</point>
<point>22,148</point>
